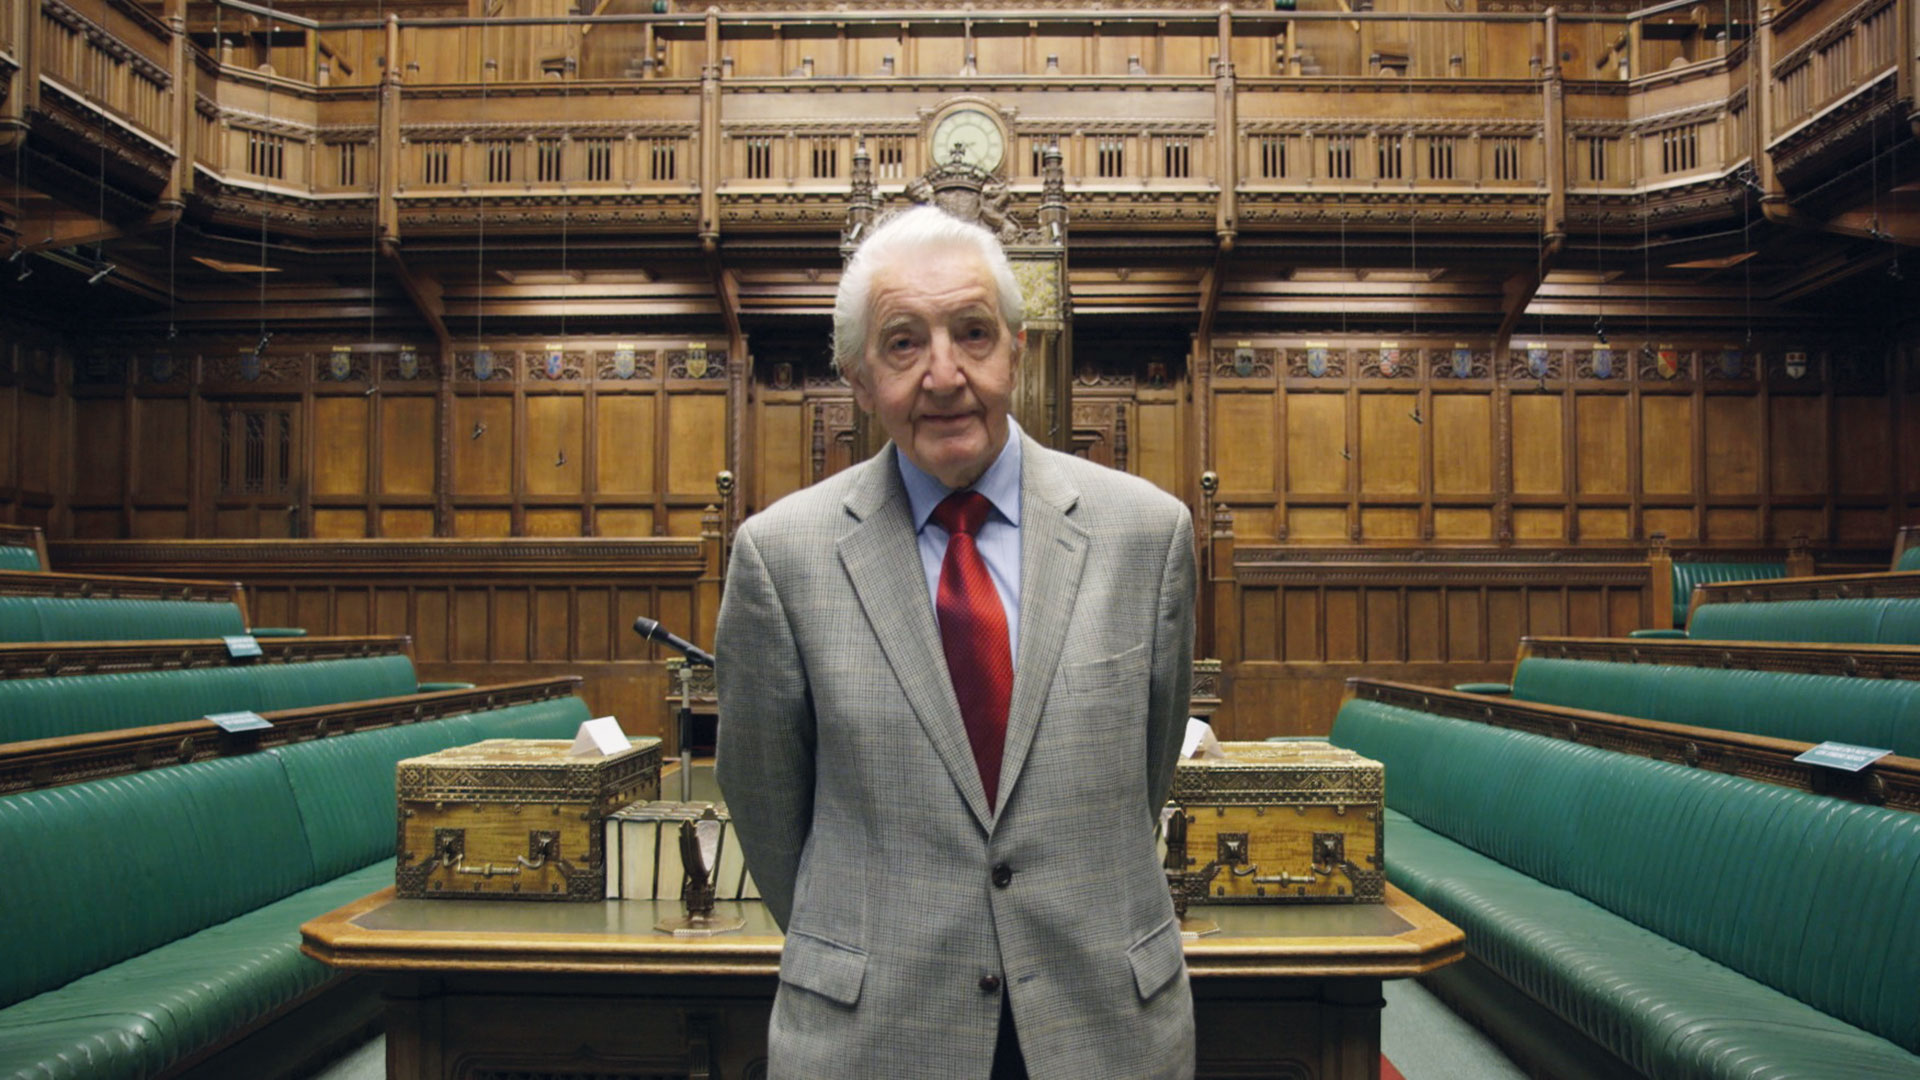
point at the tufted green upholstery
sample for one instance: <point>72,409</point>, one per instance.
<point>1779,704</point>
<point>1688,574</point>
<point>60,618</point>
<point>150,915</point>
<point>1909,559</point>
<point>1690,922</point>
<point>1886,620</point>
<point>15,557</point>
<point>78,704</point>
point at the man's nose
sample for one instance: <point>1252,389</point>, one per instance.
<point>943,364</point>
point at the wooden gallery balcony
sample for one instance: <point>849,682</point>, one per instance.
<point>679,119</point>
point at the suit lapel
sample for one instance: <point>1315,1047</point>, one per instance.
<point>1053,551</point>
<point>882,560</point>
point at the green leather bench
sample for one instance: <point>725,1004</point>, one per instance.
<point>1883,620</point>
<point>47,708</point>
<point>22,548</point>
<point>153,915</point>
<point>60,618</point>
<point>1804,707</point>
<point>15,557</point>
<point>1695,926</point>
<point>1686,575</point>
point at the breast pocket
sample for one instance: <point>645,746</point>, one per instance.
<point>1122,670</point>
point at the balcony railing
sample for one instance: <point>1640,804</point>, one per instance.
<point>639,102</point>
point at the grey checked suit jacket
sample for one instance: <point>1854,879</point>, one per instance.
<point>846,766</point>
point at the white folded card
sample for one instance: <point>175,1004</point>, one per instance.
<point>599,736</point>
<point>1200,741</point>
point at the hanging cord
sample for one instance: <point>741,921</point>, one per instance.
<point>1344,290</point>
<point>566,69</point>
<point>373,235</point>
<point>1413,258</point>
<point>266,173</point>
<point>480,209</point>
<point>173,238</point>
<point>100,210</point>
<point>1600,277</point>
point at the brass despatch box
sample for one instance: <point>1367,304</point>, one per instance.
<point>515,819</point>
<point>1277,823</point>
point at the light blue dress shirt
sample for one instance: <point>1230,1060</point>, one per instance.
<point>999,539</point>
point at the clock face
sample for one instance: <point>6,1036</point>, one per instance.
<point>977,136</point>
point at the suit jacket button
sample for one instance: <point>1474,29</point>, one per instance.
<point>1002,875</point>
<point>989,983</point>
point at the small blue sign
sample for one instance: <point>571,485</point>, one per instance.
<point>1843,756</point>
<point>239,721</point>
<point>239,645</point>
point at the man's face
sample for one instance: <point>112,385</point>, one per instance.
<point>939,363</point>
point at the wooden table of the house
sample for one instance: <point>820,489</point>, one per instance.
<point>490,990</point>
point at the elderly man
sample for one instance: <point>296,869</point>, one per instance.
<point>953,682</point>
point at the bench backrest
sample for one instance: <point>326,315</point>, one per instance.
<point>346,785</point>
<point>1883,713</point>
<point>1882,620</point>
<point>15,557</point>
<point>61,618</point>
<point>1809,895</point>
<point>108,869</point>
<point>81,704</point>
<point>1688,574</point>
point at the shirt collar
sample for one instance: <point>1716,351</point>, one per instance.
<point>1000,483</point>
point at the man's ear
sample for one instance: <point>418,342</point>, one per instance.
<point>1020,350</point>
<point>862,393</point>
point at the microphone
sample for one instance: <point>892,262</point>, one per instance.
<point>653,631</point>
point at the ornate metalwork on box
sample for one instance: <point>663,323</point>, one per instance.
<point>1277,822</point>
<point>515,818</point>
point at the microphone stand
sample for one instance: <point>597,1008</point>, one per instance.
<point>653,631</point>
<point>685,724</point>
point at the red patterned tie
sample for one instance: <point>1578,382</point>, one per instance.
<point>973,634</point>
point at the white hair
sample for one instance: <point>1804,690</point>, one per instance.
<point>913,232</point>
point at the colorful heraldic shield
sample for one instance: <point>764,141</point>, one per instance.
<point>1602,362</point>
<point>1462,363</point>
<point>409,364</point>
<point>1537,361</point>
<point>1796,365</point>
<point>483,365</point>
<point>623,362</point>
<point>340,364</point>
<point>1731,363</point>
<point>1389,361</point>
<point>1317,361</point>
<point>556,360</point>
